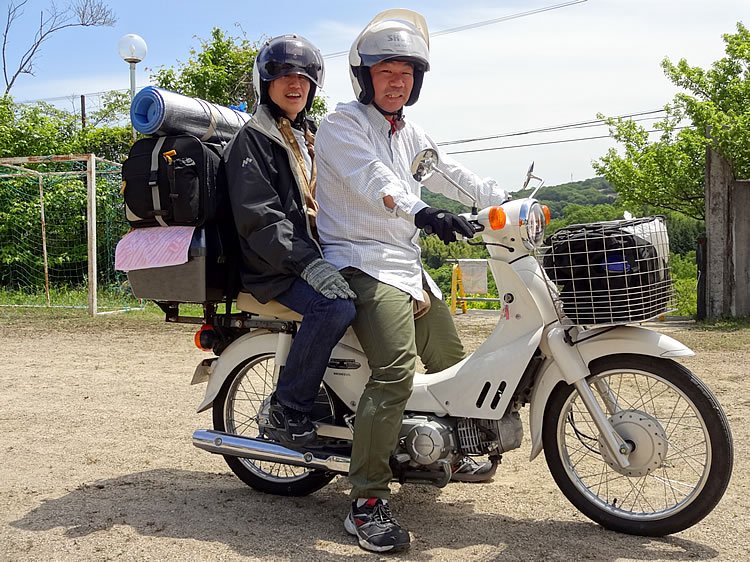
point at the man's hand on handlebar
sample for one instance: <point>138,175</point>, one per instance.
<point>444,224</point>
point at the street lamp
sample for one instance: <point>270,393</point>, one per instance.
<point>132,49</point>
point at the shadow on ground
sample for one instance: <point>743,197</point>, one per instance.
<point>183,504</point>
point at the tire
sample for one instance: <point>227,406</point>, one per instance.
<point>236,409</point>
<point>683,455</point>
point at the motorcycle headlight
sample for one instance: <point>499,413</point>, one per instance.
<point>532,222</point>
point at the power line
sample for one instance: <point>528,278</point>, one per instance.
<point>504,18</point>
<point>73,97</point>
<point>578,125</point>
<point>561,141</point>
<point>341,53</point>
<point>481,23</point>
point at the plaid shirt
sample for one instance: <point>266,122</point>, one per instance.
<point>360,162</point>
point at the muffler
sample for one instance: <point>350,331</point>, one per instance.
<point>261,450</point>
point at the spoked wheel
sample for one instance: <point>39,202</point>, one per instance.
<point>681,446</point>
<point>237,409</point>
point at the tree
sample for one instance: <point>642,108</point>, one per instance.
<point>669,173</point>
<point>40,129</point>
<point>77,13</point>
<point>220,72</point>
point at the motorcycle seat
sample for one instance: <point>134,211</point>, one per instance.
<point>248,303</point>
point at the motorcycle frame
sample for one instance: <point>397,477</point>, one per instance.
<point>484,385</point>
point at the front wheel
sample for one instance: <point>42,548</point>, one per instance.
<point>237,410</point>
<point>681,446</point>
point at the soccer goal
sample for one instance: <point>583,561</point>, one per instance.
<point>60,220</point>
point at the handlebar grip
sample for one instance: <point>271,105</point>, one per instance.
<point>427,229</point>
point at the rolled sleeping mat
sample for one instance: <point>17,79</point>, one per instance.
<point>155,111</point>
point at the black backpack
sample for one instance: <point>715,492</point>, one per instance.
<point>172,181</point>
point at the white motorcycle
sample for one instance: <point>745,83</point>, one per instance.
<point>632,438</point>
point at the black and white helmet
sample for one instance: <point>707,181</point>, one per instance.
<point>285,55</point>
<point>399,35</point>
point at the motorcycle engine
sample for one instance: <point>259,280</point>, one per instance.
<point>427,440</point>
<point>478,437</point>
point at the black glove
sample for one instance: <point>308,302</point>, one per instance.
<point>327,280</point>
<point>443,223</point>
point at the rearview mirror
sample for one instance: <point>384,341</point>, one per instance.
<point>424,164</point>
<point>529,175</point>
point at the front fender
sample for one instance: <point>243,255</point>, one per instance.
<point>249,345</point>
<point>622,339</point>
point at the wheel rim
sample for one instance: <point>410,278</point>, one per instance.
<point>658,493</point>
<point>242,407</point>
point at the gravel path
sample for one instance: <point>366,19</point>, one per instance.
<point>96,417</point>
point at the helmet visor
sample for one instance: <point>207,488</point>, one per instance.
<point>287,55</point>
<point>275,69</point>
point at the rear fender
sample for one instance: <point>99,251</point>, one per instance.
<point>622,339</point>
<point>248,346</point>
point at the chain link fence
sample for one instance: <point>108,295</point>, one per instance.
<point>60,220</point>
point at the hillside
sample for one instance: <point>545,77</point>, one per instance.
<point>593,191</point>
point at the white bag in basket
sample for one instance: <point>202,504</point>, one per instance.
<point>655,231</point>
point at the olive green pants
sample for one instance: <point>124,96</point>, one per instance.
<point>391,339</point>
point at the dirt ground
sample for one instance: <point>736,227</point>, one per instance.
<point>96,417</point>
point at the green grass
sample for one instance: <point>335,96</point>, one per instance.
<point>111,298</point>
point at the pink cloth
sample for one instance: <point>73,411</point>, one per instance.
<point>158,246</point>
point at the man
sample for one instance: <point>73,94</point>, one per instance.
<point>370,213</point>
<point>271,181</point>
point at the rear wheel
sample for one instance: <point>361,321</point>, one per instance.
<point>237,409</point>
<point>682,452</point>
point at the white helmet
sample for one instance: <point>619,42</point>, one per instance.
<point>397,34</point>
<point>284,55</point>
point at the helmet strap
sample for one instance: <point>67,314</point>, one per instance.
<point>277,113</point>
<point>396,119</point>
<point>398,115</point>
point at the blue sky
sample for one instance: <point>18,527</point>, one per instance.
<point>553,68</point>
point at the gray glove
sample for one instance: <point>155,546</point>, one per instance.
<point>327,280</point>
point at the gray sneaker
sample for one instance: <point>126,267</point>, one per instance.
<point>375,527</point>
<point>469,470</point>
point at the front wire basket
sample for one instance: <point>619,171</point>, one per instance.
<point>610,273</point>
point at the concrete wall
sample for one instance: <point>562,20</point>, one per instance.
<point>728,241</point>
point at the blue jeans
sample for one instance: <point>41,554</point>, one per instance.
<point>323,324</point>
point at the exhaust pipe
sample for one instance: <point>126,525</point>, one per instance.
<point>261,450</point>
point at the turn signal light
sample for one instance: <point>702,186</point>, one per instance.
<point>497,218</point>
<point>205,338</point>
<point>547,214</point>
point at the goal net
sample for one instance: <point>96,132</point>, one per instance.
<point>60,220</point>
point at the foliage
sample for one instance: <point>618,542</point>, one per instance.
<point>684,233</point>
<point>220,72</point>
<point>593,191</point>
<point>435,256</point>
<point>669,172</point>
<point>41,129</point>
<point>77,13</point>
<point>442,202</point>
<point>582,214</point>
<point>720,102</point>
<point>685,276</point>
<point>38,129</point>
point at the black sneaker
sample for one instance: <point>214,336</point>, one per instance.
<point>375,527</point>
<point>290,426</point>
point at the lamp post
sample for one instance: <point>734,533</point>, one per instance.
<point>132,49</point>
